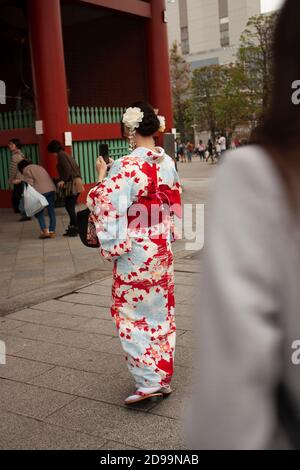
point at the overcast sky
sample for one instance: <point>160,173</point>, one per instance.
<point>269,5</point>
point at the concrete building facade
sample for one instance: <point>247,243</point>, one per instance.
<point>208,31</point>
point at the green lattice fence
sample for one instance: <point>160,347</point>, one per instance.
<point>30,151</point>
<point>77,115</point>
<point>17,119</point>
<point>85,153</point>
<point>94,115</point>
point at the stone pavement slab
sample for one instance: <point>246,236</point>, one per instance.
<point>172,407</point>
<point>87,311</point>
<point>99,290</point>
<point>99,387</point>
<point>124,425</point>
<point>30,263</point>
<point>97,325</point>
<point>75,358</point>
<point>22,370</point>
<point>88,299</point>
<point>23,433</point>
<point>43,318</point>
<point>65,337</point>
<point>184,323</point>
<point>29,400</point>
<point>113,445</point>
<point>50,290</point>
<point>14,344</point>
<point>6,324</point>
<point>70,381</point>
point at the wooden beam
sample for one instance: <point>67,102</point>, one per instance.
<point>82,132</point>
<point>26,136</point>
<point>133,7</point>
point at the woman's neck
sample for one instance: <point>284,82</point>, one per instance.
<point>147,142</point>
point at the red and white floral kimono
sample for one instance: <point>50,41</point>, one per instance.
<point>136,234</point>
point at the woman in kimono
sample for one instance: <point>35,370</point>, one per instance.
<point>134,210</point>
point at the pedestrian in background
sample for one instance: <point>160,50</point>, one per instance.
<point>70,183</point>
<point>15,177</point>
<point>189,149</point>
<point>210,151</point>
<point>222,143</point>
<point>201,147</point>
<point>218,148</point>
<point>37,176</point>
<point>248,334</point>
<point>182,152</point>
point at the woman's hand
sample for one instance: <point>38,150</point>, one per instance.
<point>60,184</point>
<point>101,167</point>
<point>110,164</point>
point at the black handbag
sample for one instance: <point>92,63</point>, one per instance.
<point>66,190</point>
<point>87,230</point>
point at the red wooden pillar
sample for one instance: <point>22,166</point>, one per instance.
<point>158,62</point>
<point>49,76</point>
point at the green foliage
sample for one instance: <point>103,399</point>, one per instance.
<point>222,97</point>
<point>219,99</point>
<point>255,58</point>
<point>180,82</point>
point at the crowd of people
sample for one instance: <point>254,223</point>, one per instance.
<point>68,186</point>
<point>212,151</point>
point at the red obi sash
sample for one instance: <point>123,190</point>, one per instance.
<point>153,208</point>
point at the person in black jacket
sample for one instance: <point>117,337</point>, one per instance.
<point>70,183</point>
<point>210,149</point>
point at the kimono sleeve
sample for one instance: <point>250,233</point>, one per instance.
<point>108,203</point>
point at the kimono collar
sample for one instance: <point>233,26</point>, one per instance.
<point>150,155</point>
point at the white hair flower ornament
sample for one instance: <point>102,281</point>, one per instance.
<point>162,123</point>
<point>132,118</point>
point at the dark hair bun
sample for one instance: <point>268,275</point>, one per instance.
<point>54,146</point>
<point>150,123</point>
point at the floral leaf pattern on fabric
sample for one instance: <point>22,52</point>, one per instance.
<point>143,279</point>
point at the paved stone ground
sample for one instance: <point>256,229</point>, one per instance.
<point>65,378</point>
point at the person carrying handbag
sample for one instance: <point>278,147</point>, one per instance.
<point>41,185</point>
<point>15,178</point>
<point>69,184</point>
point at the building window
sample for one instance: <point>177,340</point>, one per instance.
<point>224,33</point>
<point>185,47</point>
<point>224,23</point>
<point>184,30</point>
<point>223,8</point>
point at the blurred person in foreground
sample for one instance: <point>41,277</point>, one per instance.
<point>247,389</point>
